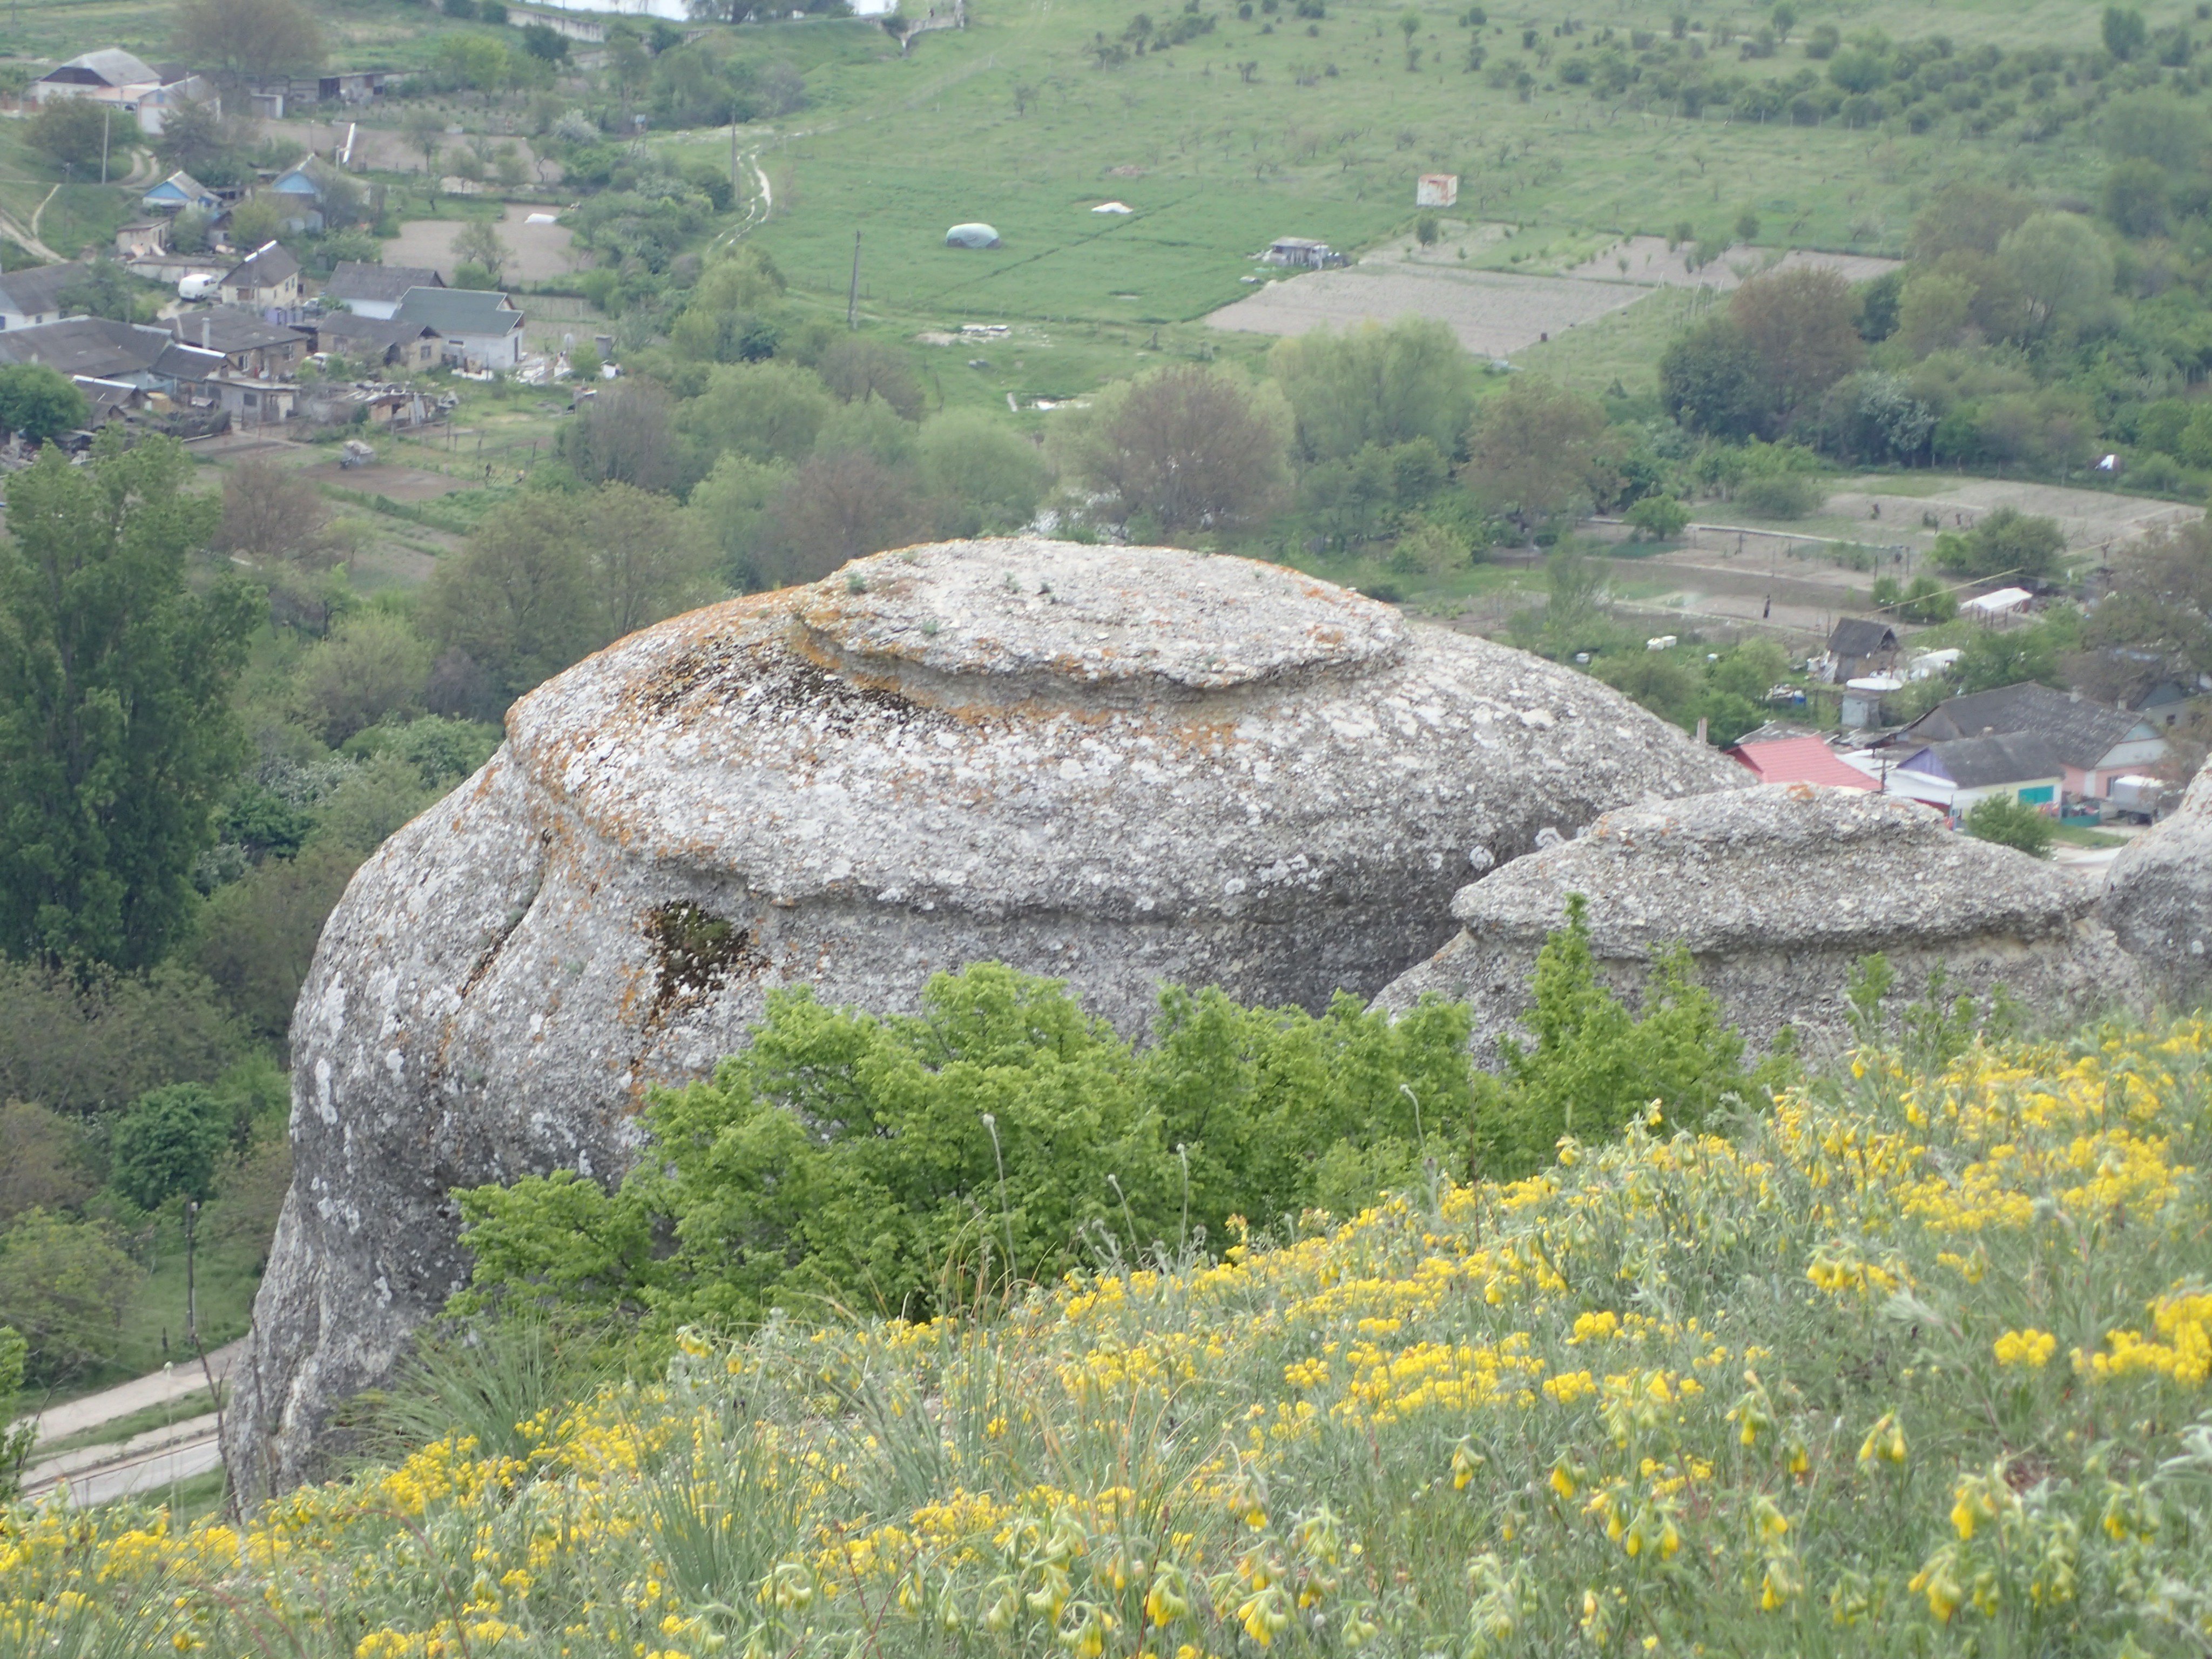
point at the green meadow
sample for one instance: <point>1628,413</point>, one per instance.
<point>1262,127</point>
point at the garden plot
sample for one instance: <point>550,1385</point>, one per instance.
<point>536,253</point>
<point>1648,262</point>
<point>1492,313</point>
<point>2093,519</point>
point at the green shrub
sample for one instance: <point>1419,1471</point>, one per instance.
<point>65,1285</point>
<point>2010,822</point>
<point>83,1043</point>
<point>1593,1066</point>
<point>1780,495</point>
<point>1658,518</point>
<point>1002,1134</point>
<point>167,1146</point>
<point>14,1439</point>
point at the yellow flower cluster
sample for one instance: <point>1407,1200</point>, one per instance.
<point>1144,1462</point>
<point>2181,1352</point>
<point>2030,1349</point>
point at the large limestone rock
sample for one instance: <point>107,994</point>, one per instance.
<point>2158,899</point>
<point>1120,766</point>
<point>1778,890</point>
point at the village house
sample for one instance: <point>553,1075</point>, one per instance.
<point>129,84</point>
<point>178,191</point>
<point>267,279</point>
<point>271,95</point>
<point>250,345</point>
<point>33,294</point>
<point>369,290</point>
<point>142,239</point>
<point>1955,775</point>
<point>300,192</point>
<point>480,327</point>
<point>386,342</point>
<point>98,349</point>
<point>2091,744</point>
<point>1798,760</point>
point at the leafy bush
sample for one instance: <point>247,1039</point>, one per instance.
<point>907,1164</point>
<point>44,1168</point>
<point>95,1042</point>
<point>2007,543</point>
<point>1593,1066</point>
<point>2010,822</point>
<point>65,1285</point>
<point>167,1146</point>
<point>1658,518</point>
<point>1780,495</point>
<point>15,1438</point>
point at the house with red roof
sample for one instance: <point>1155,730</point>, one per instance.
<point>1800,760</point>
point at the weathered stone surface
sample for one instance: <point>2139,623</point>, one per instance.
<point>2158,899</point>
<point>1116,765</point>
<point>1778,890</point>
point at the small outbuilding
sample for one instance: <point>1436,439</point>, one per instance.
<point>1435,189</point>
<point>1303,251</point>
<point>1860,645</point>
<point>972,235</point>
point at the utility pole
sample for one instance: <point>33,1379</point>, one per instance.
<point>107,120</point>
<point>736,186</point>
<point>853,293</point>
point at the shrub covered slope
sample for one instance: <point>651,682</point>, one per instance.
<point>1916,1361</point>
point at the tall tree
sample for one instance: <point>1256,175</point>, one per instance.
<point>649,561</point>
<point>622,434</point>
<point>72,131</point>
<point>242,41</point>
<point>1804,324</point>
<point>116,732</point>
<point>517,598</point>
<point>1376,386</point>
<point>1533,451</point>
<point>1187,447</point>
<point>841,504</point>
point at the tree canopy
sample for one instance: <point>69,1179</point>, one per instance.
<point>117,738</point>
<point>39,404</point>
<point>241,40</point>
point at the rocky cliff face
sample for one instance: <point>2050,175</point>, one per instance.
<point>1117,766</point>
<point>1778,890</point>
<point>2159,898</point>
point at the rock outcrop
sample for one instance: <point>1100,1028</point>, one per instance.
<point>1778,890</point>
<point>2158,899</point>
<point>1114,765</point>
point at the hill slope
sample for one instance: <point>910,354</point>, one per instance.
<point>1912,1360</point>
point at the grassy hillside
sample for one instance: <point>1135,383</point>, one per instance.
<point>1015,122</point>
<point>1913,1362</point>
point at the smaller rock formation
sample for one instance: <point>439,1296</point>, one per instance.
<point>2158,901</point>
<point>1778,890</point>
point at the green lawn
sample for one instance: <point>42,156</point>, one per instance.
<point>228,1272</point>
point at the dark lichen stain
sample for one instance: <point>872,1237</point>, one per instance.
<point>802,687</point>
<point>696,950</point>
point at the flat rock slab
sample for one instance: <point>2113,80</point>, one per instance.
<point>1778,892</point>
<point>1118,766</point>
